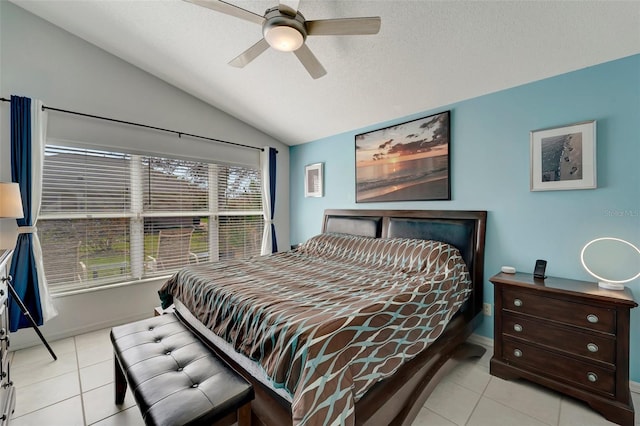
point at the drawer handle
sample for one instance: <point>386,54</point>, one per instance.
<point>592,318</point>
<point>592,347</point>
<point>592,377</point>
<point>517,302</point>
<point>517,353</point>
<point>517,327</point>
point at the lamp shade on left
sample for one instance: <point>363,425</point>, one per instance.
<point>10,201</point>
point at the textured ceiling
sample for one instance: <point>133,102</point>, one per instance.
<point>427,54</point>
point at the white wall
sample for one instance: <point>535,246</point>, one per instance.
<point>39,60</point>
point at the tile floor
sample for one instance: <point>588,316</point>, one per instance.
<point>77,389</point>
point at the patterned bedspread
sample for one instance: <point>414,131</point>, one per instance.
<point>331,318</point>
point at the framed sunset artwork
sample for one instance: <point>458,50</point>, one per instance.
<point>405,162</point>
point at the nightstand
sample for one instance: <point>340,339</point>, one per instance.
<point>567,335</point>
<point>7,391</point>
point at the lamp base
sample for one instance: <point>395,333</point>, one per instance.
<point>610,286</point>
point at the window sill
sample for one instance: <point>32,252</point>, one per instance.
<point>67,293</point>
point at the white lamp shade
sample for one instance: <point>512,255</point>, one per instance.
<point>612,261</point>
<point>284,38</point>
<point>10,201</point>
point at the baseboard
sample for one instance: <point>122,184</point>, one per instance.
<point>635,388</point>
<point>26,338</point>
<point>481,340</point>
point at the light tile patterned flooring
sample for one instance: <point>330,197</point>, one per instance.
<point>77,389</point>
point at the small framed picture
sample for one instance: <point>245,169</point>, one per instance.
<point>313,180</point>
<point>564,157</point>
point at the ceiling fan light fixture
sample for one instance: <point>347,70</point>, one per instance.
<point>284,38</point>
<point>285,29</point>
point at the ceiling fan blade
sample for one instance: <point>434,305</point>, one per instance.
<point>250,54</point>
<point>290,7</point>
<point>310,62</point>
<point>344,26</point>
<point>229,9</point>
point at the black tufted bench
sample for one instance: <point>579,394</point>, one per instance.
<point>175,378</point>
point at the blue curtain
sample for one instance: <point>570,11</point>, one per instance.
<point>272,192</point>
<point>23,265</point>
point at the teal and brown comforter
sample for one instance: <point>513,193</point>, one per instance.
<point>331,318</point>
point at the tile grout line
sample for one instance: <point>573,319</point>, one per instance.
<point>562,397</point>
<point>13,355</point>
<point>478,401</point>
<point>84,416</point>
<point>520,411</point>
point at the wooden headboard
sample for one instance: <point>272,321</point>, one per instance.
<point>463,229</point>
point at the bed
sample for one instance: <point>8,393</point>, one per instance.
<point>355,326</point>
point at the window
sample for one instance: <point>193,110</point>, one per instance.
<point>109,217</point>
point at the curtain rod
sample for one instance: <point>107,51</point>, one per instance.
<point>180,134</point>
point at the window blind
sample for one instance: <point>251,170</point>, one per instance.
<point>109,217</point>
<point>239,195</point>
<point>84,225</point>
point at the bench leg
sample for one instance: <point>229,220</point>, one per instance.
<point>121,381</point>
<point>244,415</point>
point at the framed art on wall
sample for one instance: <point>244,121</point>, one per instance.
<point>564,157</point>
<point>405,162</point>
<point>313,180</point>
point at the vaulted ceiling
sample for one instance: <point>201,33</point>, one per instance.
<point>426,55</point>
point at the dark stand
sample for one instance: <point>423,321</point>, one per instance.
<point>26,313</point>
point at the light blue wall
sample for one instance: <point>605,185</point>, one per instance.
<point>490,171</point>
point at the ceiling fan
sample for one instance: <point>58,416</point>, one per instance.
<point>284,28</point>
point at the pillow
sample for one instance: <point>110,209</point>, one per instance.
<point>403,254</point>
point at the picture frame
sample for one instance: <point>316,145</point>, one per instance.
<point>409,161</point>
<point>313,180</point>
<point>564,158</point>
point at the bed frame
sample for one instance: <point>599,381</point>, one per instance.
<point>398,399</point>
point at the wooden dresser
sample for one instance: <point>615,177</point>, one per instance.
<point>568,335</point>
<point>7,391</point>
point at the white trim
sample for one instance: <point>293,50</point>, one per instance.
<point>136,222</point>
<point>110,286</point>
<point>214,231</point>
<point>240,213</point>
<point>118,215</point>
<point>634,386</point>
<point>481,340</point>
<point>76,331</point>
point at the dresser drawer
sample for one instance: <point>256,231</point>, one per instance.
<point>3,288</point>
<point>561,368</point>
<point>4,343</point>
<point>595,346</point>
<point>578,314</point>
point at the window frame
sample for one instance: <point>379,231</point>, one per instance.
<point>136,214</point>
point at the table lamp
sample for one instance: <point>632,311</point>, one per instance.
<point>612,261</point>
<point>10,201</point>
<point>10,208</point>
